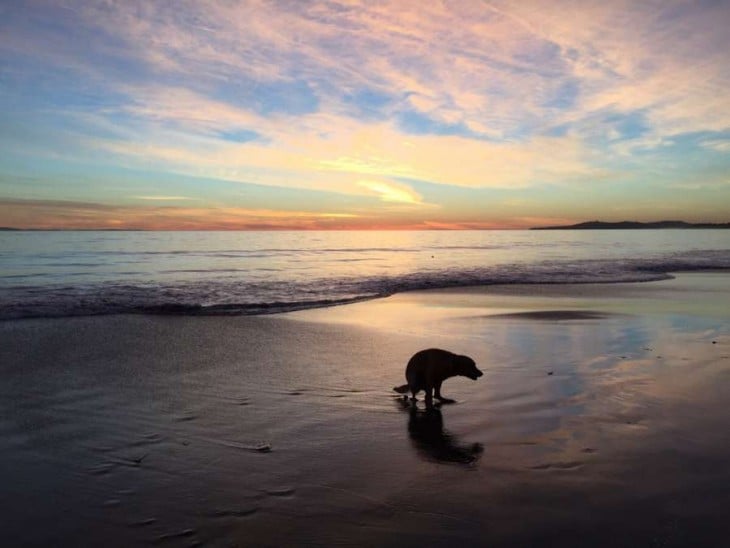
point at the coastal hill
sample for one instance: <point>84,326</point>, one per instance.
<point>601,225</point>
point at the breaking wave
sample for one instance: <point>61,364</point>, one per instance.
<point>237,295</point>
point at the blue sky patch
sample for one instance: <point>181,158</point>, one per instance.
<point>239,136</point>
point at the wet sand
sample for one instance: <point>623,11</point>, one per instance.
<point>602,419</point>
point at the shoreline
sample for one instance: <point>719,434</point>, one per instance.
<point>505,300</point>
<point>269,309</point>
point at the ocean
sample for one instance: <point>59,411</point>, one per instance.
<point>69,273</point>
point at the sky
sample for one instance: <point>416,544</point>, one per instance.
<point>218,114</point>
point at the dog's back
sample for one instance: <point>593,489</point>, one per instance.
<point>428,367</point>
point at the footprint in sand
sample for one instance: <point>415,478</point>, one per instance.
<point>261,447</point>
<point>281,492</point>
<point>180,534</point>
<point>133,461</point>
<point>102,469</point>
<point>239,513</point>
<point>102,449</point>
<point>143,522</point>
<point>147,439</point>
<point>558,466</point>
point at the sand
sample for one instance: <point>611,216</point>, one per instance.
<point>601,420</point>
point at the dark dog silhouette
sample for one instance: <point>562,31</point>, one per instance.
<point>428,369</point>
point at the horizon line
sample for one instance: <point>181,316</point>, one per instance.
<point>582,225</point>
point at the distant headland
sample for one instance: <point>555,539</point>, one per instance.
<point>602,225</point>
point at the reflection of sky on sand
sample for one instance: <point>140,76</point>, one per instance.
<point>687,298</point>
<point>620,420</point>
<point>564,389</point>
<point>618,389</point>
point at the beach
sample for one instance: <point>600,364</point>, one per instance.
<point>601,420</point>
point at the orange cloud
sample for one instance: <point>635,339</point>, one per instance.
<point>49,214</point>
<point>392,192</point>
<point>68,215</point>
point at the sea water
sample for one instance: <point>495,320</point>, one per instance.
<point>66,273</point>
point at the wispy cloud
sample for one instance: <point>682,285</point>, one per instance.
<point>334,152</point>
<point>54,214</point>
<point>392,192</point>
<point>720,145</point>
<point>503,67</point>
<point>162,198</point>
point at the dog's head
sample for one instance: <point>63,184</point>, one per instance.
<point>466,367</point>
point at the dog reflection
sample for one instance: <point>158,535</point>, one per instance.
<point>426,430</point>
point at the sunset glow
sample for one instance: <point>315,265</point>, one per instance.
<point>348,114</point>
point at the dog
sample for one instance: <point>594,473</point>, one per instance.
<point>428,369</point>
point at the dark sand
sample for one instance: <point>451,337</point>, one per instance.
<point>602,419</point>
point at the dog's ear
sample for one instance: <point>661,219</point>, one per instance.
<point>462,363</point>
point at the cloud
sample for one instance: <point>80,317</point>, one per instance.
<point>500,68</point>
<point>664,59</point>
<point>62,214</point>
<point>180,130</point>
<point>392,192</point>
<point>337,160</point>
<point>719,145</point>
<point>162,198</point>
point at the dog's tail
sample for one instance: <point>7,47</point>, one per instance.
<point>401,389</point>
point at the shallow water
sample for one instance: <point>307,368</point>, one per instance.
<point>49,274</point>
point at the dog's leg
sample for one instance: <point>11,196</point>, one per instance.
<point>429,398</point>
<point>439,397</point>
